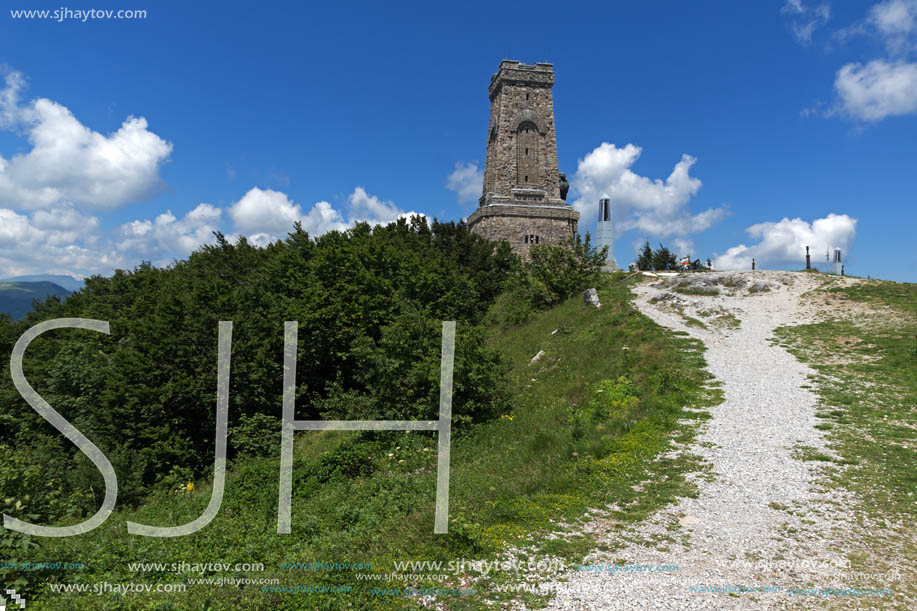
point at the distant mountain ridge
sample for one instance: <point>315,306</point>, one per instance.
<point>16,297</point>
<point>68,282</point>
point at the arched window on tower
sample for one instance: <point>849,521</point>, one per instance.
<point>527,159</point>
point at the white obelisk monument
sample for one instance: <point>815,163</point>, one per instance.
<point>605,235</point>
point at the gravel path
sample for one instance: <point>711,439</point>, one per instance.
<point>738,530</point>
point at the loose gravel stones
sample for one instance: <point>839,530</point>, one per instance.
<point>763,505</point>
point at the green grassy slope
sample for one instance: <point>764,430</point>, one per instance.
<point>587,422</point>
<point>867,382</point>
<point>16,297</point>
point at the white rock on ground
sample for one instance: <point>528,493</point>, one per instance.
<point>591,297</point>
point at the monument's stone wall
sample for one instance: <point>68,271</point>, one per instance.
<point>522,226</point>
<point>521,201</point>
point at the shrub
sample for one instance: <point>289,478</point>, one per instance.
<point>255,435</point>
<point>552,275</point>
<point>558,272</point>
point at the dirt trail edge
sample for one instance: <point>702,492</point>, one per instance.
<point>761,522</point>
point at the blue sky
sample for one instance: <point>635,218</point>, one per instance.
<point>130,139</point>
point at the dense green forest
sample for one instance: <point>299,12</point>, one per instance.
<point>369,302</point>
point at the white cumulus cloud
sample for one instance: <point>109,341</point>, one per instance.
<point>69,168</point>
<point>67,241</point>
<point>265,211</point>
<point>10,112</point>
<point>370,209</point>
<point>60,240</point>
<point>323,218</point>
<point>265,215</point>
<point>70,163</point>
<point>892,22</point>
<point>64,240</point>
<point>806,19</point>
<point>467,181</point>
<point>784,242</point>
<point>878,89</point>
<point>895,21</point>
<point>167,237</point>
<point>654,206</point>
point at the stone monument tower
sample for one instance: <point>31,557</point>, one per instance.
<point>524,195</point>
<point>605,236</point>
